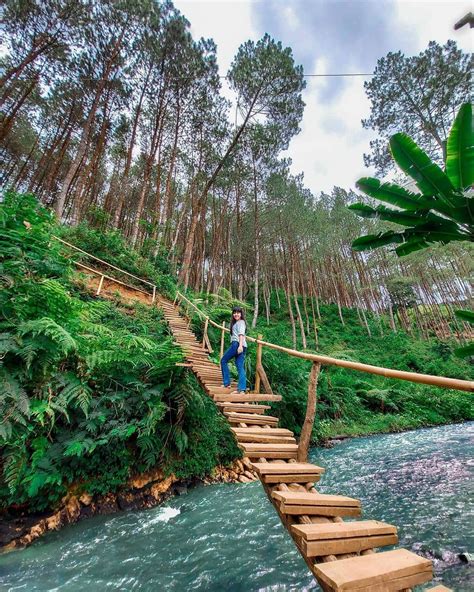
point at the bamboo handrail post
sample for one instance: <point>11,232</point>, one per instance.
<point>154,295</point>
<point>204,335</point>
<point>188,318</point>
<point>222,339</point>
<point>100,284</point>
<point>258,363</point>
<point>307,429</point>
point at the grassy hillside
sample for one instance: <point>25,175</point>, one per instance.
<point>90,391</point>
<point>349,402</point>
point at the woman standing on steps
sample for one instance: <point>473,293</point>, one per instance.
<point>237,350</point>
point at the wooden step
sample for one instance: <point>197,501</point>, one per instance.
<point>209,376</point>
<point>251,418</point>
<point>288,472</point>
<point>258,438</point>
<point>243,408</point>
<point>315,504</point>
<point>193,351</point>
<point>265,431</point>
<point>253,450</point>
<point>378,572</point>
<point>335,538</point>
<point>223,395</point>
<point>218,392</point>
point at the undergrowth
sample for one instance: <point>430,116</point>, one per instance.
<point>350,402</point>
<point>90,391</point>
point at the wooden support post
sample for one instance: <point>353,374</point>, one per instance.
<point>154,295</point>
<point>204,336</point>
<point>187,317</point>
<point>307,429</point>
<point>258,364</point>
<point>222,338</point>
<point>100,285</point>
<point>264,379</point>
<point>175,300</point>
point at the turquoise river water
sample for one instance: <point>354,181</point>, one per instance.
<point>228,537</point>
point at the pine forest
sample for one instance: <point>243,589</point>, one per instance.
<point>120,135</point>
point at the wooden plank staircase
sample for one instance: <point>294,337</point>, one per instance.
<point>341,555</point>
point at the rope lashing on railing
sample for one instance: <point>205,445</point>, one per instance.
<point>453,383</point>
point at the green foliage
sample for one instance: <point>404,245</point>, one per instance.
<point>351,402</point>
<point>89,392</point>
<point>443,212</point>
<point>416,95</point>
<point>205,435</point>
<point>468,350</point>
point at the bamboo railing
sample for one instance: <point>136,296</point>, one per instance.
<point>104,276</point>
<point>453,383</point>
<point>317,361</point>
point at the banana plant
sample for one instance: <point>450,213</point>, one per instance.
<point>443,211</point>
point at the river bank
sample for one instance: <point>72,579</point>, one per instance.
<point>151,489</point>
<point>229,537</point>
<point>348,431</point>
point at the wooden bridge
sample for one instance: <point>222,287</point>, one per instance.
<point>341,555</point>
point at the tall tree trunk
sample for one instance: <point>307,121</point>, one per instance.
<point>128,162</point>
<point>257,245</point>
<point>86,131</point>
<point>295,296</point>
<point>188,251</point>
<point>7,123</point>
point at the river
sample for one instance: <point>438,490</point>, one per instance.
<point>228,537</point>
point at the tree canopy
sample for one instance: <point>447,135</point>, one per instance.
<point>417,95</point>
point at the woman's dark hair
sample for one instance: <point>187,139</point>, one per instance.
<point>242,316</point>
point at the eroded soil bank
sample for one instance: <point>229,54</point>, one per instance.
<point>19,529</point>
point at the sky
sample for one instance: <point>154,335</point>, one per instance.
<point>329,37</point>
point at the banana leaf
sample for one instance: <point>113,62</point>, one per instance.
<point>374,241</point>
<point>393,194</point>
<point>384,213</point>
<point>460,149</point>
<point>411,246</point>
<point>430,179</point>
<point>465,315</point>
<point>422,218</point>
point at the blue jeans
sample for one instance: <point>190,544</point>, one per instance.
<point>239,362</point>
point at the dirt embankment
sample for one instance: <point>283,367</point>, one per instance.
<point>19,529</point>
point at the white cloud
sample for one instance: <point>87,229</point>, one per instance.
<point>330,145</point>
<point>329,149</point>
<point>434,20</point>
<point>228,22</point>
